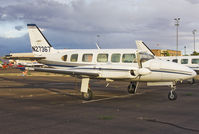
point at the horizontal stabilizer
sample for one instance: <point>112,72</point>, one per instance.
<point>23,58</point>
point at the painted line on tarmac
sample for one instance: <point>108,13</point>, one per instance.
<point>110,98</point>
<point>115,97</point>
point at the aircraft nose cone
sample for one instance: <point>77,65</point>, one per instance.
<point>192,73</point>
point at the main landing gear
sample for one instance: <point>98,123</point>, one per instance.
<point>87,96</point>
<point>172,94</point>
<point>132,88</point>
<point>87,93</point>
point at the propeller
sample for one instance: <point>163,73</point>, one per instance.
<point>141,70</point>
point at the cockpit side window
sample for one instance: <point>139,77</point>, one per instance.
<point>195,61</point>
<point>175,60</point>
<point>64,58</point>
<point>184,61</point>
<point>128,58</point>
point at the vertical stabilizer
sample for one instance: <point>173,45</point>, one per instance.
<point>40,45</point>
<point>143,47</point>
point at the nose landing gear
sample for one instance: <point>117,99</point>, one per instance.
<point>172,94</point>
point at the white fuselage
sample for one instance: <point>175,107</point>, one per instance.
<point>116,64</point>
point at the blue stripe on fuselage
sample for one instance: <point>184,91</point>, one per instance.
<point>163,71</point>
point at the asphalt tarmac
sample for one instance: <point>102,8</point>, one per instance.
<point>53,105</point>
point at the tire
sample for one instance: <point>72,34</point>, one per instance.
<point>131,89</point>
<point>87,96</point>
<point>172,95</point>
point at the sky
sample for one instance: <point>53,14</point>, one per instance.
<point>80,24</point>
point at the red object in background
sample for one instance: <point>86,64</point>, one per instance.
<point>10,65</point>
<point>4,66</point>
<point>20,66</point>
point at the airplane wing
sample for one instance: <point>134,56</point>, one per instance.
<point>83,73</point>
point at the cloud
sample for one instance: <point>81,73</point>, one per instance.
<point>70,23</point>
<point>19,28</point>
<point>193,1</point>
<point>12,29</point>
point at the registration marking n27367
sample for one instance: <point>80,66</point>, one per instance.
<point>41,48</point>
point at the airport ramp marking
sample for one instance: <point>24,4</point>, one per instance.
<point>115,97</point>
<point>110,98</point>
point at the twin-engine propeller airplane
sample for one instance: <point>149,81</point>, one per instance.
<point>131,65</point>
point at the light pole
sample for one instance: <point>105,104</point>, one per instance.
<point>194,39</point>
<point>177,25</point>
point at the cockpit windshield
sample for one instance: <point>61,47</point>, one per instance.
<point>145,56</point>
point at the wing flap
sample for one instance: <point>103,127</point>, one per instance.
<point>69,72</point>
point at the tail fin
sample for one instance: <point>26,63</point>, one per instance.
<point>143,47</point>
<point>39,43</point>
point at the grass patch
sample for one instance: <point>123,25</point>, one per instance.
<point>189,94</point>
<point>105,117</point>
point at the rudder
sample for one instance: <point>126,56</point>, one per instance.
<point>38,41</point>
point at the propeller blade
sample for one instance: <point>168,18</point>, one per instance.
<point>139,60</point>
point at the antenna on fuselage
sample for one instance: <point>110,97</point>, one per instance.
<point>97,44</point>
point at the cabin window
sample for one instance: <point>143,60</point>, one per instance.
<point>184,61</point>
<point>195,61</point>
<point>64,58</point>
<point>87,57</point>
<point>115,57</point>
<point>74,57</point>
<point>128,58</point>
<point>175,60</point>
<point>102,57</point>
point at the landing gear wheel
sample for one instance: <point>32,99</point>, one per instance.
<point>172,95</point>
<point>131,89</point>
<point>87,96</point>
